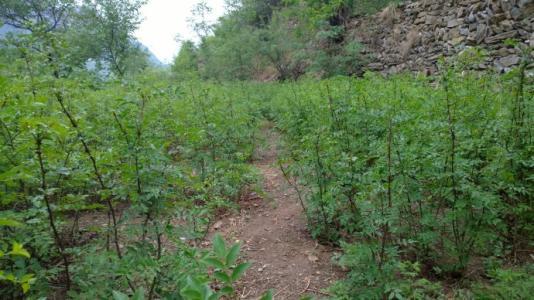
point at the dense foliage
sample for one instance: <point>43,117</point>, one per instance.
<point>277,39</point>
<point>109,180</point>
<point>107,185</point>
<point>426,178</point>
<point>99,33</point>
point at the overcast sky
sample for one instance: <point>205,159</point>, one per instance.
<point>165,19</point>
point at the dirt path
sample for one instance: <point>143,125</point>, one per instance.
<point>275,239</point>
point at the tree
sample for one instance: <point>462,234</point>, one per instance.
<point>186,62</point>
<point>105,29</point>
<point>231,52</point>
<point>199,21</point>
<point>47,15</point>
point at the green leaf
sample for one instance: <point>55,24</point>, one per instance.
<point>223,277</point>
<point>119,296</point>
<point>267,296</point>
<point>10,277</point>
<point>239,270</point>
<point>19,250</point>
<point>27,278</point>
<point>139,294</point>
<point>9,222</point>
<point>25,287</point>
<point>194,283</point>
<point>219,247</point>
<point>189,293</point>
<point>214,262</point>
<point>227,290</point>
<point>233,253</point>
<point>195,289</point>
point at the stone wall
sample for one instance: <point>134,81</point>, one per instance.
<point>413,35</point>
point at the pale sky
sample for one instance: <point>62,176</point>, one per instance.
<point>163,20</point>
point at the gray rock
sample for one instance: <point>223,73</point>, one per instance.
<point>431,20</point>
<point>523,33</point>
<point>506,5</point>
<point>461,12</point>
<point>471,18</point>
<point>375,66</point>
<point>499,67</point>
<point>419,21</point>
<point>506,25</point>
<point>481,33</point>
<point>496,29</point>
<point>515,13</point>
<point>454,33</point>
<point>510,60</point>
<point>498,18</point>
<point>502,52</point>
<point>500,37</point>
<point>454,22</point>
<point>522,3</point>
<point>457,41</point>
<point>446,27</point>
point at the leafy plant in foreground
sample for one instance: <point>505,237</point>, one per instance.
<point>10,253</point>
<point>226,271</point>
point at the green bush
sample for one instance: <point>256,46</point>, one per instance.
<point>510,283</point>
<point>149,159</point>
<point>425,168</point>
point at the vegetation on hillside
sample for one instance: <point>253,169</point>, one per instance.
<point>108,190</point>
<point>421,181</point>
<point>103,192</point>
<point>111,175</point>
<point>277,39</point>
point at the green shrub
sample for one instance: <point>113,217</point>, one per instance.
<point>509,283</point>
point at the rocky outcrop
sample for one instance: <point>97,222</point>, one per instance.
<point>415,34</point>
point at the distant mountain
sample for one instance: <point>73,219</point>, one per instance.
<point>152,59</point>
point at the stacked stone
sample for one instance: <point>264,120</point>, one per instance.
<point>417,33</point>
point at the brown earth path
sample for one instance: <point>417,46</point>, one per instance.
<point>275,238</point>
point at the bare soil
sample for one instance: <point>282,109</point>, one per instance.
<point>275,238</point>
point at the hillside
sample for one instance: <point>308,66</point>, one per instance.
<point>270,161</point>
<point>414,35</point>
<point>288,40</point>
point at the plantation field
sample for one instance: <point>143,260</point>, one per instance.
<point>265,163</point>
<point>110,188</point>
